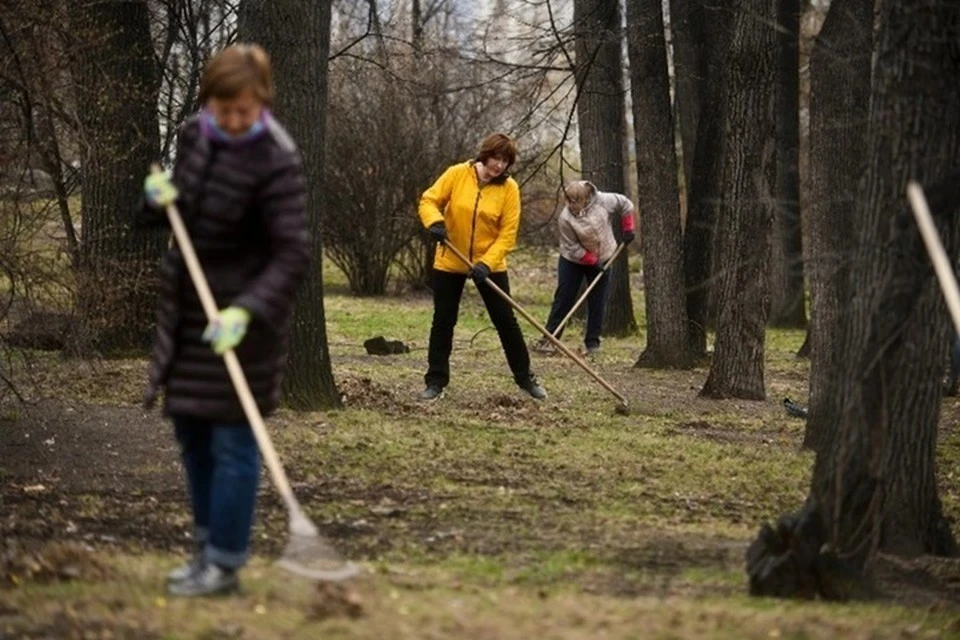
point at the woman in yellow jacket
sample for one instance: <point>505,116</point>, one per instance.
<point>475,205</point>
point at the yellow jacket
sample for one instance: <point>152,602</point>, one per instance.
<point>481,221</point>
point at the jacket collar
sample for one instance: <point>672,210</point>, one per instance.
<point>500,179</point>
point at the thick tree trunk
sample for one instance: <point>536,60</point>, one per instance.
<point>876,480</point>
<point>874,486</point>
<point>688,35</point>
<point>703,187</point>
<point>743,224</point>
<point>786,285</point>
<point>840,95</point>
<point>297,37</point>
<point>600,115</point>
<point>659,205</point>
<point>115,78</point>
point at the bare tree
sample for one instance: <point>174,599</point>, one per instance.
<point>659,199</point>
<point>839,105</point>
<point>703,184</point>
<point>688,38</point>
<point>877,481</point>
<point>600,115</point>
<point>297,37</point>
<point>115,85</point>
<point>786,284</point>
<point>186,34</point>
<point>874,486</point>
<point>743,222</point>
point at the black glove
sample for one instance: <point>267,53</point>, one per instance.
<point>628,237</point>
<point>438,231</point>
<point>479,273</point>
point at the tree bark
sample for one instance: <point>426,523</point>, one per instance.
<point>704,184</point>
<point>115,80</point>
<point>688,37</point>
<point>876,479</point>
<point>743,223</point>
<point>839,98</point>
<point>600,115</point>
<point>657,187</point>
<point>786,286</point>
<point>297,37</point>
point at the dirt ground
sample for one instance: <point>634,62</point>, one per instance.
<point>105,476</point>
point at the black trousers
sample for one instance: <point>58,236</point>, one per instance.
<point>447,291</point>
<point>569,277</point>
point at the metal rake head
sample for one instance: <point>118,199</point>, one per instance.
<point>309,555</point>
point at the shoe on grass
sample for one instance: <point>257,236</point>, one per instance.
<point>431,393</point>
<point>543,346</point>
<point>184,571</point>
<point>533,387</point>
<point>212,580</point>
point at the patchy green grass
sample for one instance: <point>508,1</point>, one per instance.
<point>485,514</point>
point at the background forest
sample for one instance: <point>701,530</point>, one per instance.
<point>766,143</point>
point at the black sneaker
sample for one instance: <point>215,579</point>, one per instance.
<point>431,393</point>
<point>532,387</point>
<point>211,581</point>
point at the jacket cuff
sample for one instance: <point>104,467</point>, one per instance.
<point>257,310</point>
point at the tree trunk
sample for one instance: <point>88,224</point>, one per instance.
<point>840,96</point>
<point>115,80</point>
<point>657,187</point>
<point>704,186</point>
<point>876,480</point>
<point>786,286</point>
<point>600,109</point>
<point>297,37</point>
<point>688,37</point>
<point>743,223</point>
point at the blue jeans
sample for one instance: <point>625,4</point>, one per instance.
<point>222,465</point>
<point>569,276</point>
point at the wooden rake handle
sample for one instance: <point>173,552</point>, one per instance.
<point>938,256</point>
<point>237,377</point>
<point>559,345</point>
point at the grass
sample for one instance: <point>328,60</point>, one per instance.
<point>488,515</point>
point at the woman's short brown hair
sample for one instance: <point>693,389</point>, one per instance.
<point>498,145</point>
<point>238,67</point>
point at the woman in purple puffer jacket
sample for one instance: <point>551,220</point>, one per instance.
<point>238,181</point>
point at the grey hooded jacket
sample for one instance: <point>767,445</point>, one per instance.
<point>587,237</point>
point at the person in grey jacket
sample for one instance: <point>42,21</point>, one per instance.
<point>587,242</point>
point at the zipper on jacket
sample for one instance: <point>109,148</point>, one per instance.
<point>476,206</point>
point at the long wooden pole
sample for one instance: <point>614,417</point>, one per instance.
<point>559,345</point>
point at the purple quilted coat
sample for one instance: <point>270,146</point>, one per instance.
<point>243,202</point>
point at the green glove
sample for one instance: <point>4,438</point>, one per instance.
<point>227,330</point>
<point>159,189</point>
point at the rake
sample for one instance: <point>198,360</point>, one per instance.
<point>307,553</point>
<point>938,256</point>
<point>623,408</point>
